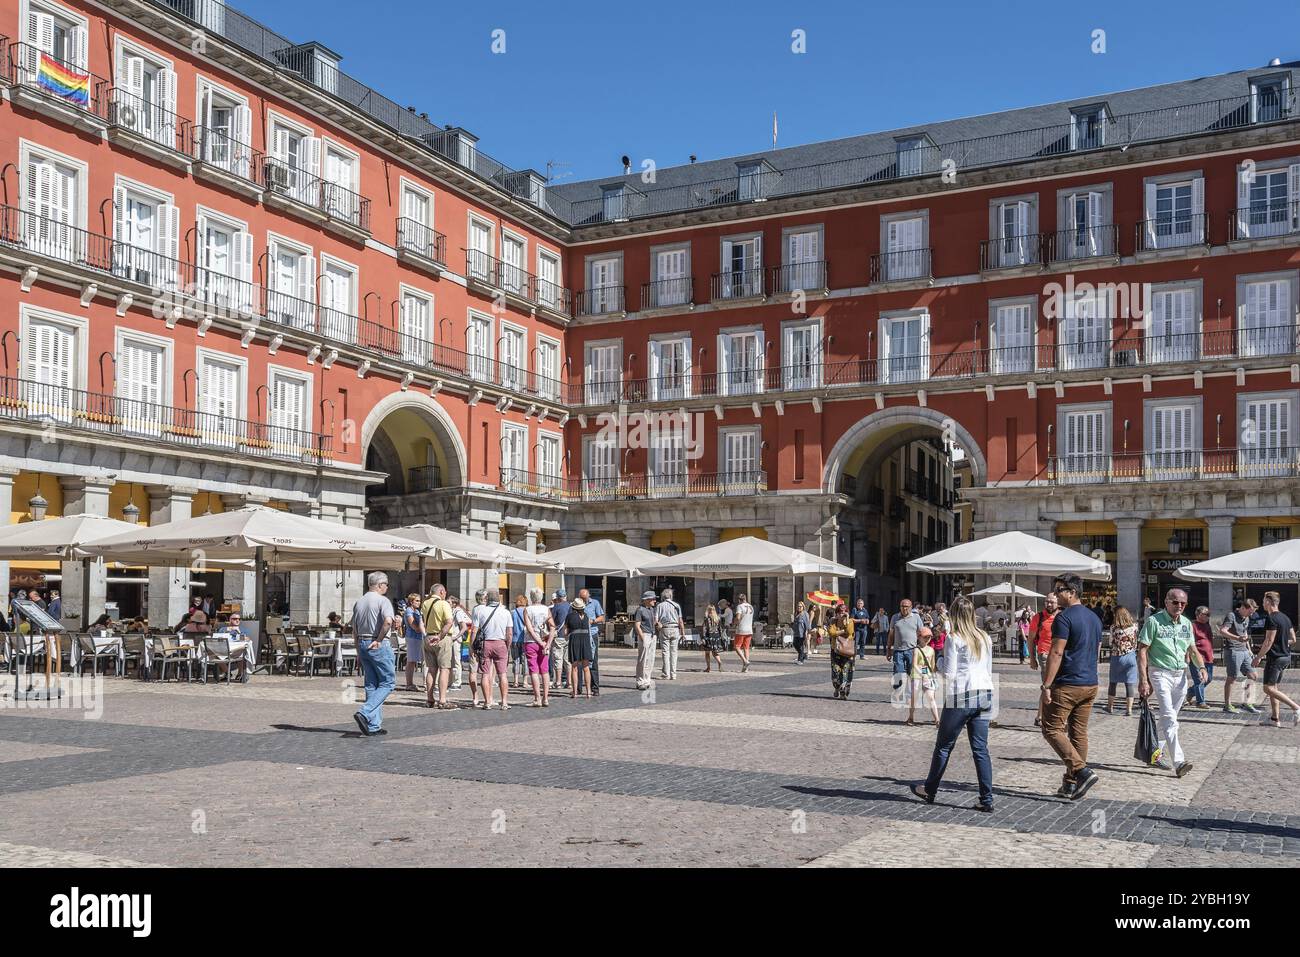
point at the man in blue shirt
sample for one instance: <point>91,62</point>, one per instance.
<point>1070,685</point>
<point>861,626</point>
<point>596,614</point>
<point>559,612</point>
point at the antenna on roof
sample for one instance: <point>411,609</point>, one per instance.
<point>551,167</point>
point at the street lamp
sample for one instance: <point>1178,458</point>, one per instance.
<point>37,506</point>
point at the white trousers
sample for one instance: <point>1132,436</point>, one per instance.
<point>645,661</point>
<point>1170,688</point>
<point>669,646</point>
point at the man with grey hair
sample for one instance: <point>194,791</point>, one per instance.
<point>668,622</point>
<point>1166,646</point>
<point>440,628</point>
<point>596,615</point>
<point>493,629</point>
<point>372,617</point>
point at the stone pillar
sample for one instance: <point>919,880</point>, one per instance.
<point>6,510</point>
<point>554,580</point>
<point>705,589</point>
<point>240,586</point>
<point>1128,565</point>
<point>84,496</point>
<point>520,582</point>
<point>354,579</point>
<point>639,538</point>
<point>169,588</point>
<point>1220,547</point>
<point>309,591</point>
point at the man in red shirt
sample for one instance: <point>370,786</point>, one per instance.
<point>1040,637</point>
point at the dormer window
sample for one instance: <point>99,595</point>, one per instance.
<point>755,179</point>
<point>614,203</point>
<point>913,155</point>
<point>1088,127</point>
<point>1270,98</point>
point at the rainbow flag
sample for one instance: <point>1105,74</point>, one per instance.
<point>54,77</point>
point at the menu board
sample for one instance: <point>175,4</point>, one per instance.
<point>37,616</point>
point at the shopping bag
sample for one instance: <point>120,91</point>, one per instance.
<point>1147,750</point>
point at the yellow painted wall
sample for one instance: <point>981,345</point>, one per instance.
<point>683,538</point>
<point>729,533</point>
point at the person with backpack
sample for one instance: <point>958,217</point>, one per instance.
<point>493,630</point>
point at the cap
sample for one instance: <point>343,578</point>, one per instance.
<point>561,593</point>
<point>647,595</point>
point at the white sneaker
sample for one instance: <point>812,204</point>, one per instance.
<point>1295,719</point>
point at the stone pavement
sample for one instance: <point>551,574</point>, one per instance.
<point>756,769</point>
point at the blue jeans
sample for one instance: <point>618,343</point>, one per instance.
<point>902,664</point>
<point>880,641</point>
<point>1198,689</point>
<point>381,678</point>
<point>976,723</point>
<point>860,638</point>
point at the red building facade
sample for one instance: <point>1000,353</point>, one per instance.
<point>233,273</point>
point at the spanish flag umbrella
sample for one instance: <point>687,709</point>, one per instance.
<point>827,599</point>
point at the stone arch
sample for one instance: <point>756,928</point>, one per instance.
<point>435,416</point>
<point>892,428</point>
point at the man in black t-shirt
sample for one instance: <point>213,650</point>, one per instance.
<point>1276,653</point>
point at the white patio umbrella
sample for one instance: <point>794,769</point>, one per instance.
<point>605,557</point>
<point>58,538</point>
<point>448,549</point>
<point>746,556</point>
<point>1006,590</point>
<point>1279,562</point>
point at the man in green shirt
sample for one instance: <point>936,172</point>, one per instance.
<point>1166,646</point>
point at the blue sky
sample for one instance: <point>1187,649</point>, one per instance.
<point>584,83</point>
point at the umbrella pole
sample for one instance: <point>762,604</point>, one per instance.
<point>259,594</point>
<point>422,588</point>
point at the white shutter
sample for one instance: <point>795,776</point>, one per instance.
<point>305,278</point>
<point>1149,215</point>
<point>135,81</point>
<point>169,243</point>
<point>1094,224</point>
<point>1022,229</point>
<point>121,233</point>
<point>80,43</point>
<point>1198,209</point>
<point>241,267</point>
<point>40,31</point>
<point>1243,203</point>
<point>1293,195</point>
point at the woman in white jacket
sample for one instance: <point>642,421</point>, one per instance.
<point>968,703</point>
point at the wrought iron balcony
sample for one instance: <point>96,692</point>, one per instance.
<point>496,274</point>
<point>739,482</point>
<point>600,301</point>
<point>795,277</point>
<point>147,123</point>
<point>424,478</point>
<point>105,414</point>
<point>1010,252</point>
<point>1173,232</point>
<point>902,265</point>
<point>337,204</point>
<point>1252,462</point>
<point>216,151</point>
<point>1262,220</point>
<point>739,284</point>
<point>415,237</point>
<point>57,85</point>
<point>666,293</point>
<point>1084,242</point>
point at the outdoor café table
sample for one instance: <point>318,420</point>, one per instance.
<point>102,643</point>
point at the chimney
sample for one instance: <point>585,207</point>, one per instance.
<point>627,166</point>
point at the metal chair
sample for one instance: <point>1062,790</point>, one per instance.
<point>167,651</point>
<point>281,654</point>
<point>88,650</point>
<point>134,651</point>
<point>216,651</point>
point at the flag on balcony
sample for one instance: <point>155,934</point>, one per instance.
<point>54,77</point>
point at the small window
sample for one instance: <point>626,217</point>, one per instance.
<point>752,183</point>
<point>912,154</point>
<point>1269,99</point>
<point>1088,128</point>
<point>615,203</point>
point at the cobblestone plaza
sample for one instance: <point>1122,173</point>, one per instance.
<point>758,769</point>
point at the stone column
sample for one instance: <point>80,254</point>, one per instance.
<point>169,588</point>
<point>1128,565</point>
<point>354,579</point>
<point>84,496</point>
<point>639,538</point>
<point>6,510</point>
<point>554,580</point>
<point>520,581</point>
<point>308,591</point>
<point>706,589</point>
<point>1220,547</point>
<point>240,586</point>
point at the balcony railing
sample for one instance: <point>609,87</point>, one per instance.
<point>635,485</point>
<point>1173,232</point>
<point>600,301</point>
<point>1008,252</point>
<point>414,236</point>
<point>337,202</point>
<point>792,277</point>
<point>665,293</point>
<point>33,69</point>
<point>1261,220</point>
<point>1084,242</point>
<point>81,411</point>
<point>1174,466</point>
<point>739,284</point>
<point>218,149</point>
<point>1129,350</point>
<point>148,120</point>
<point>901,265</point>
<point>424,478</point>
<point>498,274</point>
<point>1116,132</point>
